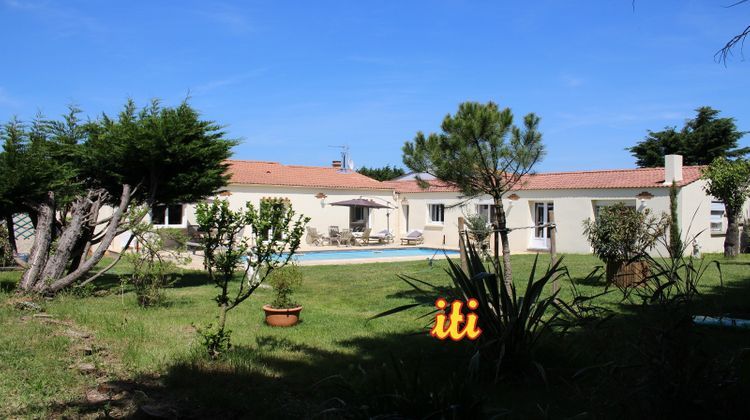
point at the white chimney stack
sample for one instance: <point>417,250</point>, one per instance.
<point>672,169</point>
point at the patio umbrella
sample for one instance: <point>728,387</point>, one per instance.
<point>362,202</point>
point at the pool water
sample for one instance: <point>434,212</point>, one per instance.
<point>372,253</point>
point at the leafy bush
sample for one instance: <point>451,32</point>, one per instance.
<point>6,251</point>
<point>215,340</point>
<point>622,234</point>
<point>154,267</point>
<point>173,238</point>
<point>284,282</point>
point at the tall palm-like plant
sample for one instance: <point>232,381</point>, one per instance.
<point>511,324</point>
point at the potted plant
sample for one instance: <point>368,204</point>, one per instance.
<point>283,311</point>
<point>620,236</point>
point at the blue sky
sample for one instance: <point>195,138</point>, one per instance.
<point>291,78</point>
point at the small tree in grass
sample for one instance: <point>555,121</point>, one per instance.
<point>621,235</point>
<point>227,249</point>
<point>729,181</point>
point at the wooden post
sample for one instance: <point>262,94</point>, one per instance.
<point>462,245</point>
<point>553,245</point>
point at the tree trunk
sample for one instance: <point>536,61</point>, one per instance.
<point>55,266</point>
<point>223,316</point>
<point>109,236</point>
<point>501,227</point>
<point>42,241</point>
<point>11,232</point>
<point>731,239</point>
<point>83,246</point>
<point>462,245</point>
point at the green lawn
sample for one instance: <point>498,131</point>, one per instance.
<point>334,358</point>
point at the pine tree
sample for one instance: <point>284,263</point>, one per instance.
<point>482,152</point>
<point>702,139</point>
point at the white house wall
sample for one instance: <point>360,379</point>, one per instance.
<point>572,207</point>
<point>695,213</point>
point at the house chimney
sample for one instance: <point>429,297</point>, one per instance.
<point>336,164</point>
<point>672,169</point>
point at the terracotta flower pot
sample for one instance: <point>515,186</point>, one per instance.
<point>281,317</point>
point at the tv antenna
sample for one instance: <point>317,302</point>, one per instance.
<point>347,164</point>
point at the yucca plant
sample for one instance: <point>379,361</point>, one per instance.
<point>511,324</point>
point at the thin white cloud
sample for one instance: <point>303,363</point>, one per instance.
<point>228,81</point>
<point>227,17</point>
<point>656,116</point>
<point>66,20</point>
<point>572,81</point>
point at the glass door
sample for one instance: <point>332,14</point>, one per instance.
<point>540,238</point>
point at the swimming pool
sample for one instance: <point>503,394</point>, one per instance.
<point>355,254</point>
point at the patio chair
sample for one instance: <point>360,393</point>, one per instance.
<point>314,237</point>
<point>194,238</point>
<point>334,235</point>
<point>364,239</point>
<point>413,238</point>
<point>346,238</point>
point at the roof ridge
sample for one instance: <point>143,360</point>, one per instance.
<point>593,171</point>
<point>289,166</point>
<point>255,161</point>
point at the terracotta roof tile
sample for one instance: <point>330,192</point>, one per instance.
<point>411,186</point>
<point>601,179</point>
<point>617,178</point>
<point>253,172</point>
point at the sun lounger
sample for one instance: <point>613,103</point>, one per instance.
<point>382,237</point>
<point>413,238</point>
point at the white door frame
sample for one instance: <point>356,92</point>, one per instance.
<point>540,236</point>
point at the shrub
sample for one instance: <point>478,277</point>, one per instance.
<point>154,267</point>
<point>6,251</point>
<point>284,282</point>
<point>215,340</point>
<point>622,234</point>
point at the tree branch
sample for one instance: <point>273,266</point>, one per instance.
<point>108,267</point>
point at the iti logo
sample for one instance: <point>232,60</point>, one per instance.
<point>450,326</point>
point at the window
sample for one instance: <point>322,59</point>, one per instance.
<point>167,215</point>
<point>600,204</point>
<point>487,211</point>
<point>437,213</point>
<point>359,214</point>
<point>717,217</point>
